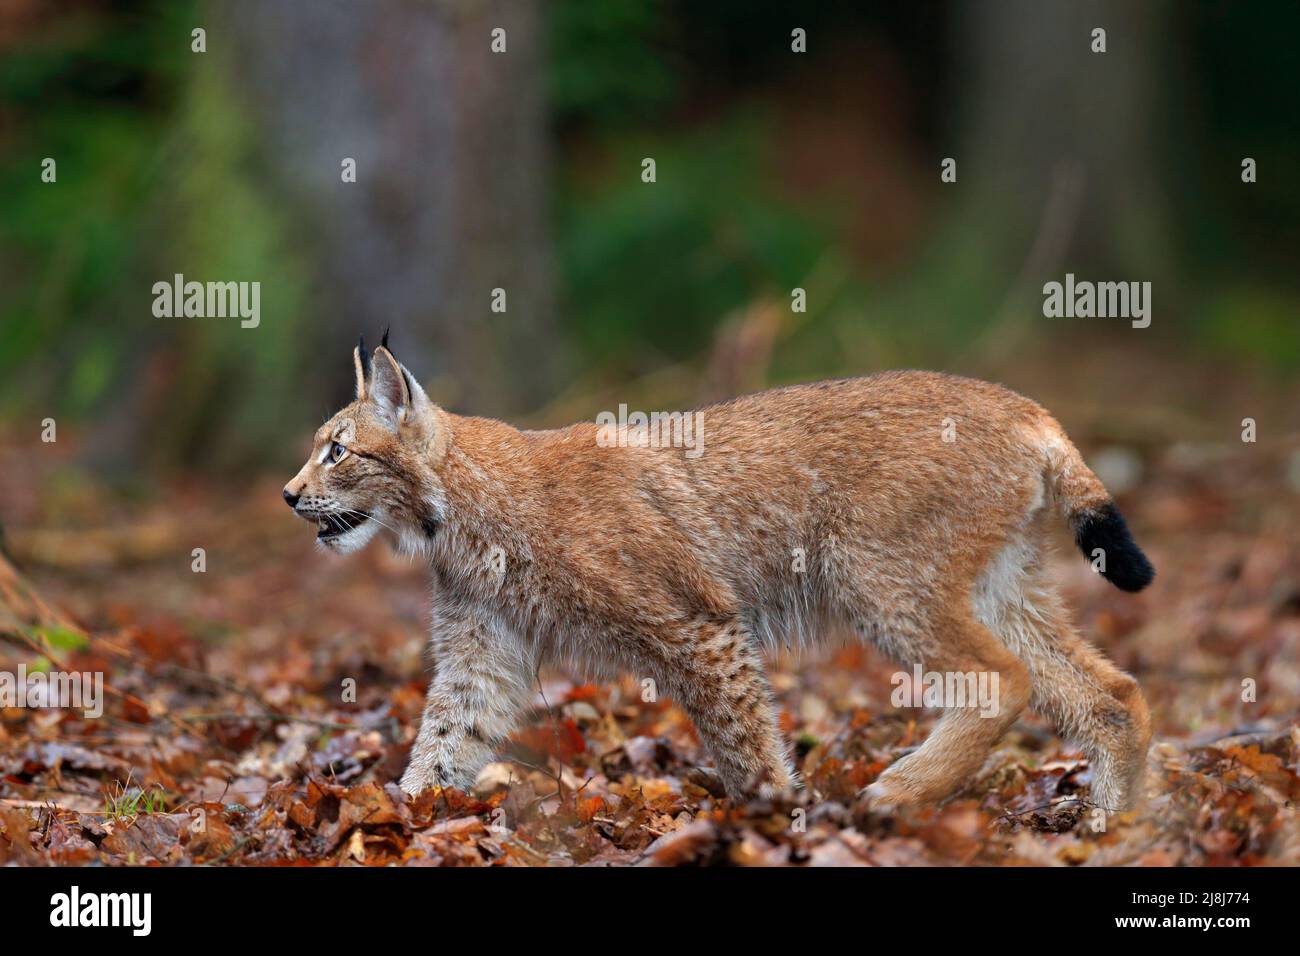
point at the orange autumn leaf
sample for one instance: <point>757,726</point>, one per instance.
<point>588,807</point>
<point>555,738</point>
<point>1252,757</point>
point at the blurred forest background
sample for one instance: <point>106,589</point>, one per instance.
<point>776,170</point>
<point>150,541</point>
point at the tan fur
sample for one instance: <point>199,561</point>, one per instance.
<point>545,545</point>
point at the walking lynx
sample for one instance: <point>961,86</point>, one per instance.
<point>918,505</point>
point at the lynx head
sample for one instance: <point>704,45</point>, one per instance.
<point>374,465</point>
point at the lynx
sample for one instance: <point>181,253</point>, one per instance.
<point>909,509</point>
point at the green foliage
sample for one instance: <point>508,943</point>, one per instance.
<point>650,269</point>
<point>62,639</point>
<point>127,802</point>
<point>154,176</point>
<point>66,245</point>
<point>228,224</point>
<point>1251,323</point>
<point>55,639</point>
<point>158,172</point>
<point>609,64</point>
<point>92,96</point>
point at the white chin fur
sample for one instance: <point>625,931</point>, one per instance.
<point>413,543</point>
<point>350,541</point>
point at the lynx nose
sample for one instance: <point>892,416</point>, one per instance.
<point>290,498</point>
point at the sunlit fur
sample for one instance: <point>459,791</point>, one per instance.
<point>908,508</point>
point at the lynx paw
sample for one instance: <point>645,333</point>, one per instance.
<point>412,784</point>
<point>418,779</point>
<point>877,799</point>
<point>890,792</point>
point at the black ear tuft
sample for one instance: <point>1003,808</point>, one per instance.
<point>365,356</point>
<point>384,342</point>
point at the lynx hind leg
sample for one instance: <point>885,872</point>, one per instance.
<point>714,671</point>
<point>1090,700</point>
<point>965,734</point>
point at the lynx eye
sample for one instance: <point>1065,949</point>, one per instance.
<point>337,452</point>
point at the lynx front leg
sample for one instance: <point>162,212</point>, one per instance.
<point>481,683</point>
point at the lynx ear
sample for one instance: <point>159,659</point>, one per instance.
<point>387,383</point>
<point>393,388</point>
<point>361,363</point>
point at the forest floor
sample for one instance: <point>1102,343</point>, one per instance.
<point>229,737</point>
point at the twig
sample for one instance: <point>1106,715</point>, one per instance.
<point>272,718</point>
<point>229,853</point>
<point>1007,814</point>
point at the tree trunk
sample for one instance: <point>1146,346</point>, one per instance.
<point>1040,98</point>
<point>450,198</point>
<point>1061,144</point>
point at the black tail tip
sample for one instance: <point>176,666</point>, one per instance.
<point>1103,536</point>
